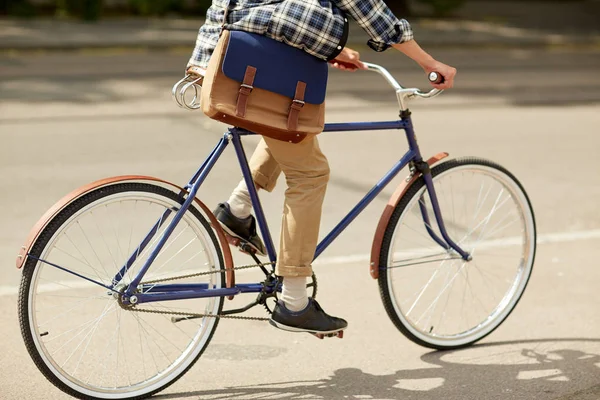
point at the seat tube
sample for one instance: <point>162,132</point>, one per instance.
<point>260,216</point>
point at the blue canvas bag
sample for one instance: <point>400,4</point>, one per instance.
<point>265,86</point>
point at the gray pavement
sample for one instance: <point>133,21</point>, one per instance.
<point>85,117</point>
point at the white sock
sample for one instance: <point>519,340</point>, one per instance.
<point>294,294</point>
<point>240,202</point>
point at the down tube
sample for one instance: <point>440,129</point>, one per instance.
<point>408,157</point>
<point>184,207</point>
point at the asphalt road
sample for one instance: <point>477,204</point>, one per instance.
<point>68,119</point>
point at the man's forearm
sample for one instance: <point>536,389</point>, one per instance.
<point>412,50</point>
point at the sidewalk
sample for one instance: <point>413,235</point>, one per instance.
<point>479,24</point>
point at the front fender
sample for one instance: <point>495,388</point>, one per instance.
<point>77,193</point>
<point>387,214</point>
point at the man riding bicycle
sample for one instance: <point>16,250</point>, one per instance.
<point>320,28</point>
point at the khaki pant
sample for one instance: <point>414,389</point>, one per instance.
<point>306,172</point>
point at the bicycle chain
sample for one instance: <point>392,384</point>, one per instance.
<point>206,273</point>
<point>199,315</point>
<point>196,315</point>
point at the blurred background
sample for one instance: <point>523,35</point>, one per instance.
<point>85,93</point>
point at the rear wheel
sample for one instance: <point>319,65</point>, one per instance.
<point>79,335</point>
<point>433,296</point>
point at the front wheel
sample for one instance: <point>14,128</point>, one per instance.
<point>80,336</point>
<point>434,297</point>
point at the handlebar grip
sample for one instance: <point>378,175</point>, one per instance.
<point>436,78</point>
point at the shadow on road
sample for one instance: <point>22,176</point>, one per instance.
<point>541,369</point>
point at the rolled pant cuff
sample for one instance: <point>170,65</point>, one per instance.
<point>284,270</point>
<point>263,181</point>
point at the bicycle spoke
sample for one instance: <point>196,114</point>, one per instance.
<point>423,262</point>
<point>447,304</point>
<point>91,321</point>
<point>443,313</point>
<point>176,254</point>
<point>104,241</point>
<point>124,355</point>
<point>169,321</point>
<point>474,297</point>
<point>85,335</point>
<point>105,355</point>
<point>120,254</point>
<point>488,217</point>
<point>424,288</point>
<point>442,292</point>
<point>71,297</point>
<point>486,281</point>
<point>91,335</point>
<point>61,283</point>
<point>79,260</point>
<point>92,247</point>
<point>148,334</point>
<point>496,230</point>
<point>64,313</point>
<point>104,313</point>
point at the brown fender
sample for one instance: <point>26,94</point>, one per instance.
<point>68,199</point>
<point>387,214</point>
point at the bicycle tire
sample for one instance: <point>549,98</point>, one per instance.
<point>407,269</point>
<point>32,265</point>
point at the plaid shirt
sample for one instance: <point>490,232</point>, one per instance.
<point>319,27</point>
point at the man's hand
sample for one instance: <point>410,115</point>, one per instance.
<point>348,60</point>
<point>428,63</point>
<point>446,71</point>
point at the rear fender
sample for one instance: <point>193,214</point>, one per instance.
<point>77,193</point>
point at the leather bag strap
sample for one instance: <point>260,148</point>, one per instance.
<point>296,107</point>
<point>245,90</point>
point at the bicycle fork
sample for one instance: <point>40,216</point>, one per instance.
<point>417,165</point>
<point>447,243</point>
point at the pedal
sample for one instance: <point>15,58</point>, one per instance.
<point>339,335</point>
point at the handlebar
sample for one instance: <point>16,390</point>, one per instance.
<point>403,94</point>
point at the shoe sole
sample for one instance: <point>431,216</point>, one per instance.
<point>234,235</point>
<point>300,330</point>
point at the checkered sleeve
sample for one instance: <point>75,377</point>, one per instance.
<point>378,21</point>
<point>208,36</point>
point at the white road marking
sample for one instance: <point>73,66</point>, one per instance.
<point>558,237</point>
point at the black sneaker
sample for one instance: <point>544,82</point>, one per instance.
<point>312,320</point>
<point>244,229</point>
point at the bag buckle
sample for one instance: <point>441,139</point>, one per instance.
<point>299,102</point>
<point>249,87</point>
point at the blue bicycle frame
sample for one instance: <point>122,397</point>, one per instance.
<point>151,293</point>
<point>137,292</point>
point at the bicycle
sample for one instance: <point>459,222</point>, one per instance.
<point>119,329</point>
